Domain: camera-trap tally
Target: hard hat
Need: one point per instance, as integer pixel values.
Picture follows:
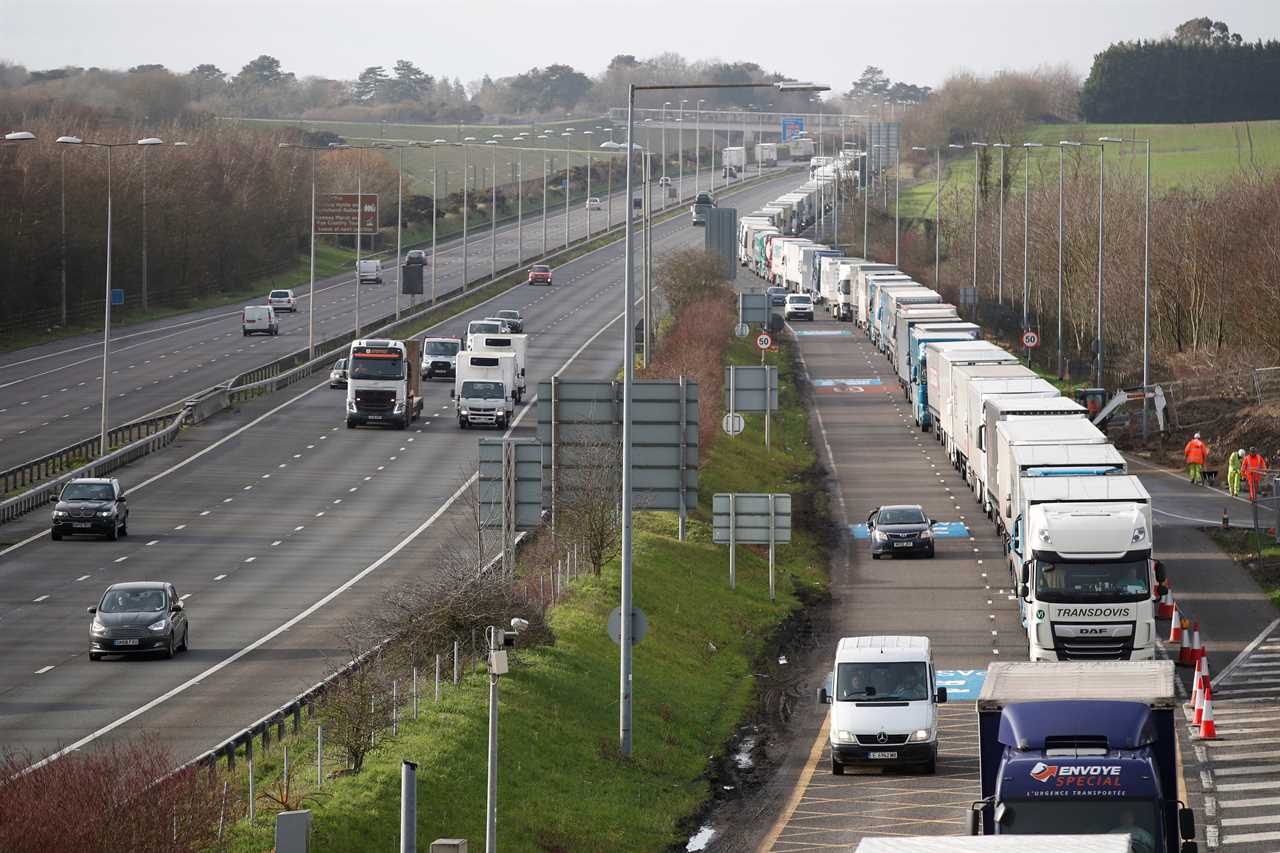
(1197, 435)
(1242, 451)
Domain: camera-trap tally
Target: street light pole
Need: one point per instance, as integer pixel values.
(465, 178)
(493, 212)
(1026, 238)
(544, 204)
(977, 150)
(866, 200)
(897, 177)
(568, 174)
(1146, 273)
(680, 146)
(697, 145)
(1060, 365)
(399, 230)
(1003, 146)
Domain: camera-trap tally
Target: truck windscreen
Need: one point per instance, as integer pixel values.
(901, 681)
(482, 390)
(1083, 816)
(376, 366)
(1088, 580)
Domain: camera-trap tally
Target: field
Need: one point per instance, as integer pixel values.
(1182, 155)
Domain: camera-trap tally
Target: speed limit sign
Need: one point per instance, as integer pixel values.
(763, 341)
(1030, 339)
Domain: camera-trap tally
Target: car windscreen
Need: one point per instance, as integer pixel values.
(509, 315)
(380, 367)
(340, 364)
(540, 268)
(800, 300)
(482, 390)
(1092, 580)
(442, 347)
(134, 601)
(88, 492)
(483, 328)
(882, 681)
(279, 294)
(905, 515)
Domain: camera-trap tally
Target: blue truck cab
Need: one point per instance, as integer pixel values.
(922, 334)
(1084, 748)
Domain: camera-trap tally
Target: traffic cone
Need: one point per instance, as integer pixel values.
(1166, 603)
(1197, 650)
(1208, 731)
(1197, 684)
(1175, 628)
(1185, 657)
(1198, 717)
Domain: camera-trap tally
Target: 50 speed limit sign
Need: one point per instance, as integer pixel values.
(1030, 339)
(763, 341)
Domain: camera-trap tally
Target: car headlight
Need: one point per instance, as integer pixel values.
(878, 536)
(106, 513)
(463, 411)
(1139, 535)
(845, 737)
(59, 513)
(399, 407)
(920, 735)
(97, 627)
(158, 626)
(926, 534)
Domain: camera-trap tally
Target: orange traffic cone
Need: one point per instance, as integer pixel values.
(1175, 629)
(1197, 650)
(1185, 657)
(1167, 607)
(1197, 684)
(1208, 731)
(1198, 717)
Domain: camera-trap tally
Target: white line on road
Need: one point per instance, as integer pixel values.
(40, 599)
(82, 578)
(121, 559)
(219, 577)
(42, 670)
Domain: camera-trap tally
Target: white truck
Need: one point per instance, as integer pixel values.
(880, 291)
(1054, 430)
(748, 228)
(476, 328)
(369, 271)
(908, 318)
(735, 157)
(895, 300)
(810, 267)
(484, 389)
(940, 362)
(923, 334)
(1002, 408)
(858, 296)
(957, 427)
(792, 273)
(829, 269)
(778, 258)
(767, 153)
(383, 383)
(801, 148)
(516, 345)
(980, 394)
(1080, 554)
(865, 292)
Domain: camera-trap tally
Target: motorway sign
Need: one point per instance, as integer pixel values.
(117, 296)
(733, 423)
(336, 213)
(763, 341)
(1030, 339)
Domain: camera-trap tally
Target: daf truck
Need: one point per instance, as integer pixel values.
(1054, 430)
(483, 390)
(383, 383)
(1088, 748)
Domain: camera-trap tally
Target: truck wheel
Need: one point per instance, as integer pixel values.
(837, 769)
(351, 424)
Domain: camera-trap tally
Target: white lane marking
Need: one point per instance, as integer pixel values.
(250, 559)
(275, 543)
(265, 638)
(152, 542)
(180, 527)
(219, 577)
(318, 514)
(337, 500)
(42, 670)
(206, 512)
(82, 578)
(353, 488)
(40, 599)
(1244, 654)
(121, 559)
(184, 597)
(296, 529)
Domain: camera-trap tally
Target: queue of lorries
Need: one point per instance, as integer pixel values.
(1080, 738)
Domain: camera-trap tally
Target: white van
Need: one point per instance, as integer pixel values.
(884, 708)
(369, 272)
(259, 319)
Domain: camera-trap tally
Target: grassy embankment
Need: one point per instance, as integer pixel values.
(1182, 155)
(1243, 547)
(563, 786)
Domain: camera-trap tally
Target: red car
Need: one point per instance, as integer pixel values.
(540, 274)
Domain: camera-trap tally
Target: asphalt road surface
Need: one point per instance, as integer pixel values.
(277, 525)
(50, 395)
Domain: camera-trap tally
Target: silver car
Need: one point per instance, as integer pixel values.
(338, 375)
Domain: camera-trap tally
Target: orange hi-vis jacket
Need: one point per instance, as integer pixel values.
(1252, 466)
(1196, 452)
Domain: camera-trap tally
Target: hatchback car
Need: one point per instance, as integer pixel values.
(283, 300)
(593, 203)
(416, 258)
(95, 506)
(513, 319)
(777, 296)
(140, 617)
(798, 305)
(540, 274)
(900, 529)
(338, 375)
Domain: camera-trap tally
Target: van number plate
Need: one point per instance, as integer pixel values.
(874, 755)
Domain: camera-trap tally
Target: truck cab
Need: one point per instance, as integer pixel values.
(383, 379)
(1082, 748)
(484, 389)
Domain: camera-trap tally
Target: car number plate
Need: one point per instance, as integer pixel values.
(126, 642)
(375, 417)
(882, 755)
(82, 524)
(902, 544)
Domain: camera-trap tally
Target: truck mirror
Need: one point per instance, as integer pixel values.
(1003, 814)
(1186, 823)
(824, 698)
(1024, 592)
(941, 697)
(1161, 591)
(452, 393)
(1024, 574)
(975, 815)
(1160, 575)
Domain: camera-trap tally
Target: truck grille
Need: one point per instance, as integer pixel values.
(375, 401)
(1094, 648)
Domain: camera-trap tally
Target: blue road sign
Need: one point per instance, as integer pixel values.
(791, 128)
(941, 530)
(847, 383)
(962, 684)
(117, 296)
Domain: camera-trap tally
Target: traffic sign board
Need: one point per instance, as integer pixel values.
(1030, 339)
(742, 330)
(639, 625)
(117, 296)
(763, 341)
(733, 423)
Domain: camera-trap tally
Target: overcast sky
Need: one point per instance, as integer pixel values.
(915, 41)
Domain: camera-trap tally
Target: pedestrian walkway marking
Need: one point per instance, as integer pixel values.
(941, 530)
(822, 333)
(962, 684)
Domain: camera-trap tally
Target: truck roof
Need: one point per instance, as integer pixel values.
(874, 647)
(1150, 682)
(1108, 843)
(929, 311)
(1066, 455)
(995, 371)
(1114, 488)
(1049, 430)
(1046, 405)
(974, 352)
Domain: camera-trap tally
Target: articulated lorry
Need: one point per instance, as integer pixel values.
(998, 409)
(384, 382)
(923, 334)
(974, 389)
(1088, 748)
(1059, 429)
(811, 258)
(829, 267)
(767, 153)
(907, 317)
(894, 300)
(940, 361)
(735, 157)
(878, 289)
(863, 291)
(801, 148)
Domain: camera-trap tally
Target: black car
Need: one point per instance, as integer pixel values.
(777, 296)
(901, 529)
(513, 319)
(94, 506)
(141, 617)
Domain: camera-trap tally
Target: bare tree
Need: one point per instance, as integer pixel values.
(350, 709)
(589, 491)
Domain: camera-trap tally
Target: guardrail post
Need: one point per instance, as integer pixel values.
(319, 756)
(266, 737)
(280, 728)
(455, 661)
(231, 756)
(437, 678)
(297, 718)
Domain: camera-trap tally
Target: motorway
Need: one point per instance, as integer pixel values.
(277, 526)
(50, 395)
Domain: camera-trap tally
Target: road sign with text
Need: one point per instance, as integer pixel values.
(336, 213)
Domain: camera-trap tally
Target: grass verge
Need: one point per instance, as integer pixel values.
(1259, 554)
(562, 785)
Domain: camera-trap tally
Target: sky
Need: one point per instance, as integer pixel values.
(914, 41)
